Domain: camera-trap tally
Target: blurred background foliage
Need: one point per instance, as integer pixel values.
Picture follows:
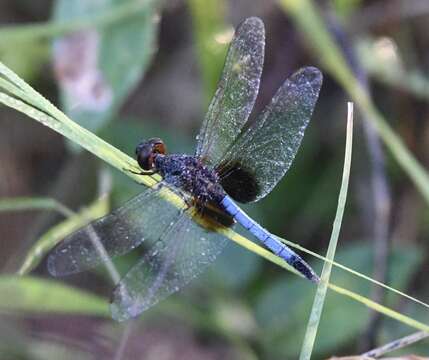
(129, 70)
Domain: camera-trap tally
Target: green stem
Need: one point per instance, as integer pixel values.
(319, 299)
(20, 204)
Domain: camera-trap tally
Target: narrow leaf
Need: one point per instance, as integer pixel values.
(316, 311)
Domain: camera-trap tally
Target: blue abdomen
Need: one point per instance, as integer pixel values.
(269, 240)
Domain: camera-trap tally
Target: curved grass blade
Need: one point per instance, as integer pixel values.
(29, 203)
(316, 311)
(380, 308)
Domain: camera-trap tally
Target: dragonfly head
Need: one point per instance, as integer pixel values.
(146, 152)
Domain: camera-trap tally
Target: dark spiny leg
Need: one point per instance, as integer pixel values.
(141, 172)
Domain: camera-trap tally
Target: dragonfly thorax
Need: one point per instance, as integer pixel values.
(188, 173)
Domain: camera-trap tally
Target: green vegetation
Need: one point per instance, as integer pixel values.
(138, 69)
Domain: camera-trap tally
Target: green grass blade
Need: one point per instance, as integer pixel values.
(310, 22)
(316, 311)
(380, 308)
(15, 91)
(356, 273)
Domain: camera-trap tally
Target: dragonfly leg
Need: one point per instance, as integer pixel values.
(141, 172)
(189, 201)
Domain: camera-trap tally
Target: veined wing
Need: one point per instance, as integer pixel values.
(263, 153)
(183, 252)
(142, 218)
(236, 92)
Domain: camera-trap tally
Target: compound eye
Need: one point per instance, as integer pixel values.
(146, 152)
(158, 146)
(145, 157)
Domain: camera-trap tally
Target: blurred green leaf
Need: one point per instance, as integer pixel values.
(350, 318)
(346, 8)
(236, 267)
(25, 57)
(381, 58)
(403, 263)
(122, 53)
(392, 330)
(359, 256)
(32, 294)
(283, 306)
(273, 307)
(11, 339)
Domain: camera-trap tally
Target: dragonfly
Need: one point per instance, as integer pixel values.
(236, 160)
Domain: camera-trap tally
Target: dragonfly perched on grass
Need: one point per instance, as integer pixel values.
(234, 161)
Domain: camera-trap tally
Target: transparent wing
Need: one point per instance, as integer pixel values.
(183, 252)
(263, 153)
(142, 218)
(236, 92)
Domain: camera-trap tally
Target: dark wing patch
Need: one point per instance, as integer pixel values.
(267, 148)
(239, 183)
